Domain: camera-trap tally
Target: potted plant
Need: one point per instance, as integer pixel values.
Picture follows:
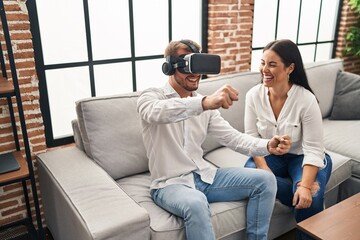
(352, 39)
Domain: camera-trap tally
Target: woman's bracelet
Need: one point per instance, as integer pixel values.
(300, 185)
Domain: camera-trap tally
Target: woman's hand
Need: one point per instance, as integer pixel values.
(306, 188)
(302, 197)
(279, 145)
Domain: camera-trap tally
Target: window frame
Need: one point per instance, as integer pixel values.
(90, 63)
(317, 42)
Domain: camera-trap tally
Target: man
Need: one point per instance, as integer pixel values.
(175, 121)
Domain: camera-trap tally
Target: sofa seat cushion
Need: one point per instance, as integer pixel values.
(225, 157)
(342, 137)
(110, 130)
(227, 217)
(355, 169)
(341, 170)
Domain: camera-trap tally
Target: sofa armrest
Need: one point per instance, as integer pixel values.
(81, 201)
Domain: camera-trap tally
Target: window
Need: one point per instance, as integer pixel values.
(311, 24)
(97, 48)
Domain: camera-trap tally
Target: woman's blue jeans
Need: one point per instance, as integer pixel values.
(230, 184)
(288, 171)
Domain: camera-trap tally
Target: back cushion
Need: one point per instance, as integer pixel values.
(322, 79)
(242, 82)
(111, 133)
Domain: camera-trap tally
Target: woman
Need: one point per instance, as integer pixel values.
(285, 104)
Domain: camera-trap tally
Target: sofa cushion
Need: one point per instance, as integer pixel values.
(77, 135)
(322, 79)
(355, 169)
(242, 82)
(227, 217)
(341, 170)
(342, 137)
(347, 97)
(110, 130)
(81, 201)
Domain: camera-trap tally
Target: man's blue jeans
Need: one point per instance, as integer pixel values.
(288, 171)
(230, 184)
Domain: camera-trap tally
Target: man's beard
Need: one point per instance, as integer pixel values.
(183, 84)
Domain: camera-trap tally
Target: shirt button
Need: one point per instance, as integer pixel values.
(275, 125)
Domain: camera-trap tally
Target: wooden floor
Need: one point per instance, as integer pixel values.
(287, 236)
(19, 233)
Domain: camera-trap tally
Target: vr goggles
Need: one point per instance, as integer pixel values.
(195, 63)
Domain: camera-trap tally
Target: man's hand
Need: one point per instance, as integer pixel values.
(223, 97)
(279, 145)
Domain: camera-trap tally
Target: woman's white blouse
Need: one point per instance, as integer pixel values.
(300, 118)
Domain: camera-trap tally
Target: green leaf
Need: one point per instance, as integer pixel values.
(352, 37)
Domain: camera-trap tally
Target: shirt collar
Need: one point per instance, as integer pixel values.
(289, 93)
(291, 90)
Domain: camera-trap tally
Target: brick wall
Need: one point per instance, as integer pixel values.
(230, 34)
(348, 19)
(12, 203)
(230, 31)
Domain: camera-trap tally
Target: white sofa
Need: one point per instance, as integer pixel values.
(99, 189)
